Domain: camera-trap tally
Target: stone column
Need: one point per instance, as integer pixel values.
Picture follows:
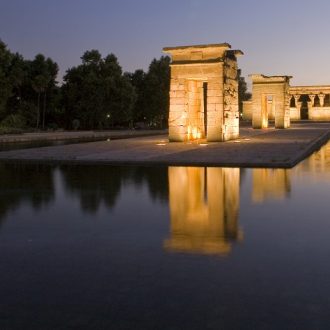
(298, 105)
(321, 98)
(311, 97)
(296, 99)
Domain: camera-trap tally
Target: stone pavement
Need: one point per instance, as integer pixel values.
(75, 135)
(254, 148)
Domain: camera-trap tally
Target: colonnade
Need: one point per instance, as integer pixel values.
(316, 98)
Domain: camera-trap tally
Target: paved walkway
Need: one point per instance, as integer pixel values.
(75, 135)
(254, 148)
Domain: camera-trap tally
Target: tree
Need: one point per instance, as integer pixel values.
(24, 85)
(138, 80)
(83, 92)
(18, 75)
(243, 95)
(43, 75)
(5, 83)
(97, 93)
(157, 91)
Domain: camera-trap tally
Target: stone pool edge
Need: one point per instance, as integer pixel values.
(310, 148)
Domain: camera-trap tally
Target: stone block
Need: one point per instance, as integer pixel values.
(177, 101)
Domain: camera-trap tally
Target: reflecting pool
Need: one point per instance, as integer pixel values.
(101, 247)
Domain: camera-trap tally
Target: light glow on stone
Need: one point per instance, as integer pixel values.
(193, 133)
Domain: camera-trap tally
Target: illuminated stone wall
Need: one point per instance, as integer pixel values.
(204, 204)
(270, 98)
(247, 110)
(295, 113)
(319, 113)
(203, 93)
(318, 104)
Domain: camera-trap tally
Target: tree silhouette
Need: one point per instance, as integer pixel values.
(243, 95)
(97, 93)
(25, 182)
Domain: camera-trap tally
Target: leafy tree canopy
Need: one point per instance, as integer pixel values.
(97, 94)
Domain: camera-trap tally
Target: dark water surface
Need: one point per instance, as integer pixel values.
(100, 247)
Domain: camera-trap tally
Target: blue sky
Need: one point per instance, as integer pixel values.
(277, 36)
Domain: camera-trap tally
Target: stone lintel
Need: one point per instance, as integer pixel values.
(262, 79)
(317, 89)
(201, 53)
(195, 47)
(191, 62)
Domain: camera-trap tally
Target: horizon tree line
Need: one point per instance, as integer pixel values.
(95, 94)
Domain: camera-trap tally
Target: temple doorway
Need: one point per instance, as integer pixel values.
(304, 99)
(195, 109)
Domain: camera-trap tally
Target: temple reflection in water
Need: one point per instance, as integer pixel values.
(270, 183)
(274, 183)
(317, 165)
(204, 205)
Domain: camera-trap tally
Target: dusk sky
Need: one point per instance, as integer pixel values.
(289, 37)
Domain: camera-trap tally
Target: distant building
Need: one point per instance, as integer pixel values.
(302, 102)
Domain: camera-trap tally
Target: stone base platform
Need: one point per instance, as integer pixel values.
(255, 148)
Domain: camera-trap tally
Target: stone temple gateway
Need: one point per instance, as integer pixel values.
(270, 95)
(203, 93)
(301, 103)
